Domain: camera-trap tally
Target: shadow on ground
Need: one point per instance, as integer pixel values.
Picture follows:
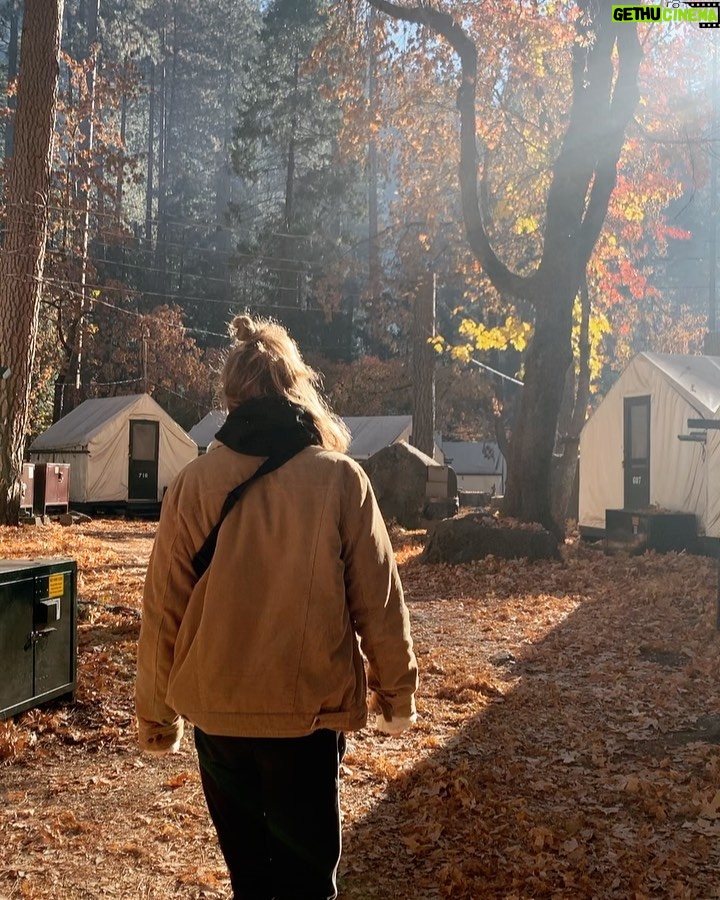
(593, 775)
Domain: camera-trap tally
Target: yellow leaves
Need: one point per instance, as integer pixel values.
(438, 343)
(634, 212)
(526, 225)
(461, 353)
(518, 332)
(598, 328)
(514, 333)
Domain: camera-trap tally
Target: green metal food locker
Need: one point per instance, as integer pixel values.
(38, 632)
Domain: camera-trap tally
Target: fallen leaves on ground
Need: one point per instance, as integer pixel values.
(567, 743)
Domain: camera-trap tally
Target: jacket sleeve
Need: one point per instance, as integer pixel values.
(377, 607)
(168, 584)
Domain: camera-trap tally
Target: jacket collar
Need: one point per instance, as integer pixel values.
(265, 426)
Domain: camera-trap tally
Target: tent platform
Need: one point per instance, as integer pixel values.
(120, 509)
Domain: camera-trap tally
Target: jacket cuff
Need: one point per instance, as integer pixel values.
(396, 725)
(397, 709)
(155, 737)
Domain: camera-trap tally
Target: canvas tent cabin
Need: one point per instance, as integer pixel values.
(206, 429)
(372, 433)
(123, 452)
(479, 465)
(631, 457)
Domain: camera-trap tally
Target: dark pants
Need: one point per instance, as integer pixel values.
(275, 806)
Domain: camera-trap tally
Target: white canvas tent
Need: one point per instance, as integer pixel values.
(120, 450)
(205, 430)
(372, 433)
(630, 453)
(479, 465)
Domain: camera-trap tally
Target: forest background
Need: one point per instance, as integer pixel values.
(299, 159)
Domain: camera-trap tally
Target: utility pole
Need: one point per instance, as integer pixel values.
(423, 427)
(87, 129)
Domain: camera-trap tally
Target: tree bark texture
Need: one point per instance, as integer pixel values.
(23, 252)
(572, 418)
(584, 175)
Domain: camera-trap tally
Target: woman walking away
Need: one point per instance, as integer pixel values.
(272, 601)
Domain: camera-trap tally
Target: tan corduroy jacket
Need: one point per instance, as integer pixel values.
(268, 642)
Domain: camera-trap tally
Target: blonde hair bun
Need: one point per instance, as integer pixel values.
(242, 328)
(265, 361)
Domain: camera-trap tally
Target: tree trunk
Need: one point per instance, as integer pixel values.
(23, 252)
(527, 495)
(423, 429)
(605, 62)
(87, 129)
(578, 391)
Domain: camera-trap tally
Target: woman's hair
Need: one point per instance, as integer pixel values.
(264, 361)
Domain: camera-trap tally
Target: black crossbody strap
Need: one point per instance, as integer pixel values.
(203, 557)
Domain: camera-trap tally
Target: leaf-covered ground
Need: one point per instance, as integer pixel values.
(567, 745)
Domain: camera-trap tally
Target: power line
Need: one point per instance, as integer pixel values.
(129, 312)
(495, 372)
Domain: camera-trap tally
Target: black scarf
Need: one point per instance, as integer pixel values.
(265, 426)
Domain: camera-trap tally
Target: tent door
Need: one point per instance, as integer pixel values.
(143, 465)
(636, 464)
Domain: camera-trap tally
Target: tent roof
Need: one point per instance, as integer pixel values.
(82, 424)
(697, 378)
(205, 430)
(372, 433)
(473, 457)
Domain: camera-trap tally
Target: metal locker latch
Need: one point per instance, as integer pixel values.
(36, 636)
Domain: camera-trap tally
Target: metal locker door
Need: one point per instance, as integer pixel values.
(53, 620)
(16, 646)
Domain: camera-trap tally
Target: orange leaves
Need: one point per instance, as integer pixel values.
(179, 780)
(13, 740)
